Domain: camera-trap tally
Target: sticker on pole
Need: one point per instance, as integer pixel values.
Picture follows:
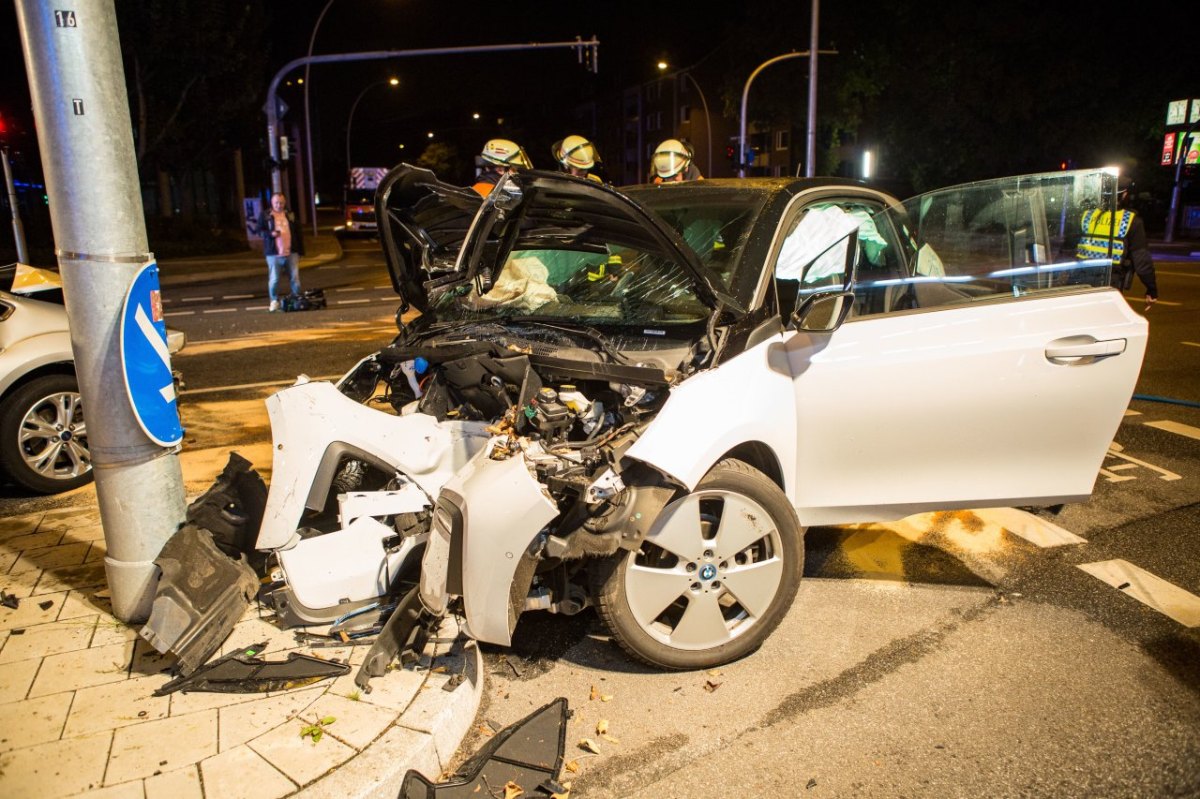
(146, 362)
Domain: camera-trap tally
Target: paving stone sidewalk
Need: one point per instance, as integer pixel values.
(77, 715)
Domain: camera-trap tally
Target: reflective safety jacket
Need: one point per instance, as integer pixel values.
(1097, 228)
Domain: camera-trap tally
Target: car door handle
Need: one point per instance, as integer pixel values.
(1073, 348)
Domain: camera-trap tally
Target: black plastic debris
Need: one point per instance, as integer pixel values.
(406, 631)
(245, 672)
(9, 601)
(528, 753)
(207, 580)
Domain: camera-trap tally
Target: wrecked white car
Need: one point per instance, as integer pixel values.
(639, 399)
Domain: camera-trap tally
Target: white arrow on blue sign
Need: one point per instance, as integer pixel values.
(146, 362)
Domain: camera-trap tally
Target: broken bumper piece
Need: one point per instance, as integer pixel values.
(243, 672)
(200, 596)
(528, 754)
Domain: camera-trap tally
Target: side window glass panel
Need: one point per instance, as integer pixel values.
(1007, 238)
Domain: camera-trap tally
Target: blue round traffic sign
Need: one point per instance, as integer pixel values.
(146, 362)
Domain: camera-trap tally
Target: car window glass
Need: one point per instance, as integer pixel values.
(1006, 238)
(614, 284)
(813, 255)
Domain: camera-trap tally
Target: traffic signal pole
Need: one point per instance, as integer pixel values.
(77, 83)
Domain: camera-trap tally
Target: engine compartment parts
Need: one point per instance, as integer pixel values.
(528, 754)
(245, 672)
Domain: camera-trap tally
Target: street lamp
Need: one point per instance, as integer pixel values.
(312, 183)
(354, 107)
(662, 66)
(746, 93)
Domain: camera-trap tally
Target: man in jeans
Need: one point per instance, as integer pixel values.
(283, 244)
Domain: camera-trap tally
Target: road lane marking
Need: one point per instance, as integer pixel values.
(257, 307)
(352, 288)
(1149, 589)
(244, 386)
(389, 286)
(221, 310)
(197, 299)
(1131, 412)
(1114, 451)
(351, 302)
(1192, 343)
(1178, 274)
(179, 313)
(238, 297)
(1034, 529)
(1177, 428)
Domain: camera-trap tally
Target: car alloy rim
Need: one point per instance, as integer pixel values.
(53, 437)
(708, 571)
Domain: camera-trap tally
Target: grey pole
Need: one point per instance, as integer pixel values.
(374, 55)
(810, 150)
(18, 228)
(77, 83)
(312, 185)
(746, 94)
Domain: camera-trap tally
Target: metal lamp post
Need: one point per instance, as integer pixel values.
(354, 107)
(703, 103)
(746, 93)
(312, 184)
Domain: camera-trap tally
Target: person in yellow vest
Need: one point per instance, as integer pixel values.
(577, 156)
(499, 157)
(1130, 252)
(672, 162)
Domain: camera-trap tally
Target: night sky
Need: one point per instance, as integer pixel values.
(533, 92)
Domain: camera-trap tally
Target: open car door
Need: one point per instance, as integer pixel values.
(996, 374)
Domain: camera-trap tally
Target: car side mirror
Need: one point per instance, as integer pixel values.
(824, 312)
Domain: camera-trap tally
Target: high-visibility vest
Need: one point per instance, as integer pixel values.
(1097, 230)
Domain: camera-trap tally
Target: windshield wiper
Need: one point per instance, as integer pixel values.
(555, 323)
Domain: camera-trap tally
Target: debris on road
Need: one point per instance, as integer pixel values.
(529, 752)
(244, 672)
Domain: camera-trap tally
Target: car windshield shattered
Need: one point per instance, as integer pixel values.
(567, 268)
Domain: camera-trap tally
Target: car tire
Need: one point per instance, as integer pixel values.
(29, 425)
(714, 577)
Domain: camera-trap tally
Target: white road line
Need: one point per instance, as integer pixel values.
(1130, 412)
(257, 307)
(352, 288)
(1034, 529)
(244, 386)
(197, 299)
(179, 313)
(1113, 452)
(1168, 302)
(221, 310)
(1177, 428)
(350, 302)
(1149, 589)
(238, 297)
(330, 266)
(1191, 343)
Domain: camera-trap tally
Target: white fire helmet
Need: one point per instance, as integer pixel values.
(575, 151)
(503, 152)
(671, 157)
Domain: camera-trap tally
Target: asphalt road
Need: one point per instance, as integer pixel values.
(947, 657)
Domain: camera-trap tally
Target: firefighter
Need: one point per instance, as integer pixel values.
(1130, 252)
(673, 162)
(577, 156)
(499, 157)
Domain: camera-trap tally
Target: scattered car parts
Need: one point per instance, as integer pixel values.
(245, 672)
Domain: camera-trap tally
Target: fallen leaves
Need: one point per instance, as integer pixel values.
(595, 694)
(711, 686)
(315, 731)
(512, 790)
(572, 766)
(587, 744)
